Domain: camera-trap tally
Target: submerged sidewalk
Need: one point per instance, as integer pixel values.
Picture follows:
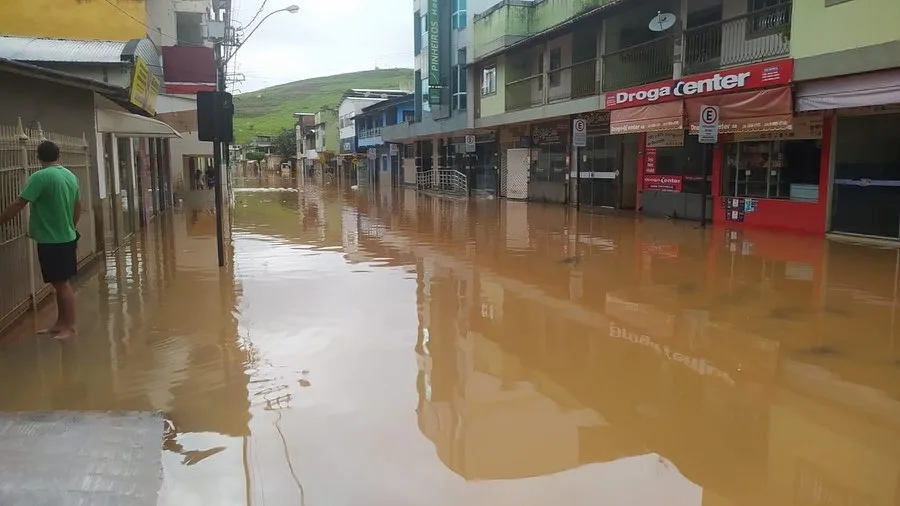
(155, 335)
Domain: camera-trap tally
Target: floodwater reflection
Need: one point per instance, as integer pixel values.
(385, 347)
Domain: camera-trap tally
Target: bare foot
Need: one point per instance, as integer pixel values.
(65, 334)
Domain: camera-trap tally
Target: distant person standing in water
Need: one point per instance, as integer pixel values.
(210, 179)
(53, 194)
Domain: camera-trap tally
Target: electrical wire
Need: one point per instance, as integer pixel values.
(144, 24)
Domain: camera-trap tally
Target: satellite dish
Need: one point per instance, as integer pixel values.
(662, 22)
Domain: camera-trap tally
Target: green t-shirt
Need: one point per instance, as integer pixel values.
(52, 193)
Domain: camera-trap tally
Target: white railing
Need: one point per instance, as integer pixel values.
(22, 287)
(448, 181)
(425, 180)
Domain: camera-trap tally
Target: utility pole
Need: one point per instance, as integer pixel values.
(217, 150)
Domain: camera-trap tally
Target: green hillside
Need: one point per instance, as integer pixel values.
(267, 111)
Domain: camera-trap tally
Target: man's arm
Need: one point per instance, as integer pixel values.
(13, 210)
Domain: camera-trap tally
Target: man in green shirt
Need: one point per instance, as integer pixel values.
(53, 194)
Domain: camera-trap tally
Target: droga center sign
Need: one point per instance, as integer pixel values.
(760, 75)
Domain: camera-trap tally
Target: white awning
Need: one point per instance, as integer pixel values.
(311, 154)
(860, 90)
(132, 125)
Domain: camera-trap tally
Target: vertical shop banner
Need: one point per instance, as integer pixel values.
(650, 163)
(434, 52)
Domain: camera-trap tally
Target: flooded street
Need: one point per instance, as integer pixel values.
(388, 347)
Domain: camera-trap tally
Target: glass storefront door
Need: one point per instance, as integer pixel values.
(866, 190)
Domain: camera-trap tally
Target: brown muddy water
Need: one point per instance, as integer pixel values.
(375, 347)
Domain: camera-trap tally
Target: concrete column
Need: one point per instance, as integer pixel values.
(601, 49)
(678, 35)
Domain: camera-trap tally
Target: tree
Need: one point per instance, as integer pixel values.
(286, 143)
(255, 156)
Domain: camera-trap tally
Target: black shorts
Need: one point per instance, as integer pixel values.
(59, 262)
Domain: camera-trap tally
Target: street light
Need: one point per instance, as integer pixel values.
(220, 149)
(293, 9)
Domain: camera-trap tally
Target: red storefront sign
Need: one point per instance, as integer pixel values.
(662, 183)
(760, 75)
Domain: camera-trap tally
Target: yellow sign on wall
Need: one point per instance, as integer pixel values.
(144, 86)
(120, 20)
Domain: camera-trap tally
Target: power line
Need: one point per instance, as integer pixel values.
(123, 11)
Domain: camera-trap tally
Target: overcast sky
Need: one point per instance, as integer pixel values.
(326, 37)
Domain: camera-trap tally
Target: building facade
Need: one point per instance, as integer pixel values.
(793, 111)
(122, 45)
(384, 161)
(435, 141)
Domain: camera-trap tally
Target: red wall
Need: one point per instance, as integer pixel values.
(806, 217)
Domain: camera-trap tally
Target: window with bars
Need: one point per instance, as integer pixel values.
(767, 17)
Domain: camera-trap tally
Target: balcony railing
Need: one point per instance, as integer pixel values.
(584, 79)
(370, 133)
(756, 36)
(525, 93)
(640, 64)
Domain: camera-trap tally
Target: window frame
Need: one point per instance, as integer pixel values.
(489, 77)
(553, 71)
(731, 181)
(458, 19)
(426, 94)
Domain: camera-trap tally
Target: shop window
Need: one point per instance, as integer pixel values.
(768, 17)
(686, 161)
(549, 164)
(772, 169)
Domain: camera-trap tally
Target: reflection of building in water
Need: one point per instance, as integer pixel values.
(683, 348)
(189, 364)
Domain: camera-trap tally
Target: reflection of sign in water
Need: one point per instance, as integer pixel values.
(696, 364)
(487, 310)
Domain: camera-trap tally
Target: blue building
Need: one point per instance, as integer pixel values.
(383, 160)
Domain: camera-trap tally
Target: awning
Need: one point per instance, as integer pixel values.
(311, 154)
(132, 125)
(647, 118)
(768, 110)
(860, 90)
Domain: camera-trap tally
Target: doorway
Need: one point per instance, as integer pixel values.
(866, 194)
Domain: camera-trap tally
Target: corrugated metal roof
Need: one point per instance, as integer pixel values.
(33, 49)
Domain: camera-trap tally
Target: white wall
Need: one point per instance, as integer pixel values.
(352, 107)
(161, 22)
(189, 145)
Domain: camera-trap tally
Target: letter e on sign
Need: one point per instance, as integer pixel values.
(579, 133)
(709, 124)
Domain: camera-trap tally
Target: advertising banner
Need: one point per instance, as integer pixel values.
(144, 86)
(662, 183)
(434, 52)
(761, 75)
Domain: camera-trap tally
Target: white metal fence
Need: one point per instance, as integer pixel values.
(21, 286)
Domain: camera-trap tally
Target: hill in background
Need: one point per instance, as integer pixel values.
(267, 111)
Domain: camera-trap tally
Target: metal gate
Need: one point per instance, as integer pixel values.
(22, 286)
(518, 166)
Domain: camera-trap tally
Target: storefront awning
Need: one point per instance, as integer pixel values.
(131, 125)
(768, 110)
(647, 118)
(860, 90)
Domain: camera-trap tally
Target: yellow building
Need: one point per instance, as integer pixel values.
(71, 19)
